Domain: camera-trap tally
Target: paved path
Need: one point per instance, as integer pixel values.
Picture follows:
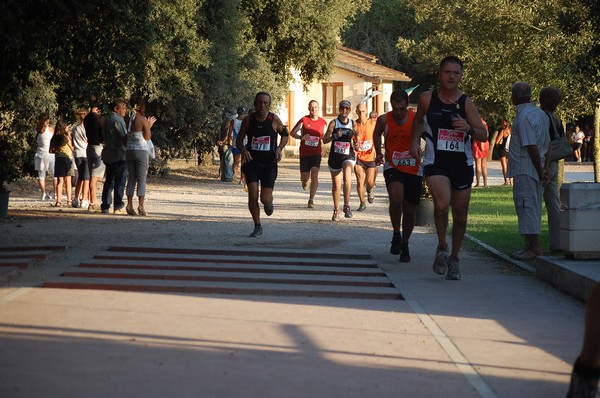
(499, 332)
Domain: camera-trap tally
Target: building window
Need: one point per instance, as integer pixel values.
(332, 95)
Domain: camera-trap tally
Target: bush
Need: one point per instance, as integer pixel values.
(12, 149)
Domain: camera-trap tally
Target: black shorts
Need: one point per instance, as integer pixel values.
(265, 173)
(366, 165)
(413, 184)
(82, 169)
(308, 162)
(62, 166)
(461, 177)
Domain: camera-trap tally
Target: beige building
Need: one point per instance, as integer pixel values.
(356, 77)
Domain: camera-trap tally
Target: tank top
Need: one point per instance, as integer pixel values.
(398, 139)
(341, 147)
(364, 141)
(446, 147)
(135, 139)
(79, 141)
(314, 128)
(262, 139)
(43, 143)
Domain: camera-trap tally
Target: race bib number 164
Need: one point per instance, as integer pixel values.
(451, 140)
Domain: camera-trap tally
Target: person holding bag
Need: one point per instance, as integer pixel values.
(550, 97)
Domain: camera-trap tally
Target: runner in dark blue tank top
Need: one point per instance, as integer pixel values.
(448, 120)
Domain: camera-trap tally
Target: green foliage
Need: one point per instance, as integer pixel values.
(502, 42)
(12, 148)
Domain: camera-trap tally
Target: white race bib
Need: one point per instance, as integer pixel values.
(451, 140)
(261, 143)
(342, 148)
(403, 159)
(364, 146)
(311, 140)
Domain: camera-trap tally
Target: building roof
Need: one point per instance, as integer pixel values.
(366, 65)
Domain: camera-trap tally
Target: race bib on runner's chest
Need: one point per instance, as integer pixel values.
(403, 159)
(342, 148)
(261, 143)
(312, 141)
(364, 146)
(451, 140)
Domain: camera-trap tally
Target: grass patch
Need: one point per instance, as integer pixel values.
(493, 220)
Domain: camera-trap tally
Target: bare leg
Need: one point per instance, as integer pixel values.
(484, 171)
(314, 181)
(336, 183)
(69, 189)
(253, 202)
(439, 186)
(347, 170)
(460, 210)
(360, 183)
(477, 171)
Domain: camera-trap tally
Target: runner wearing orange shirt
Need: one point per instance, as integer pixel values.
(365, 167)
(402, 173)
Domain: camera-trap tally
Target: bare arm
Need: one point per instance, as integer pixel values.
(472, 124)
(327, 138)
(419, 124)
(377, 132)
(282, 131)
(295, 131)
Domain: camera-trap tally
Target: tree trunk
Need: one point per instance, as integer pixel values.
(597, 142)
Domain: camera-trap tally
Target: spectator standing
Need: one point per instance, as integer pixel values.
(136, 155)
(502, 145)
(62, 148)
(113, 156)
(578, 137)
(224, 141)
(550, 97)
(310, 130)
(82, 188)
(481, 150)
(44, 160)
(588, 144)
(93, 124)
(449, 121)
(528, 165)
(234, 127)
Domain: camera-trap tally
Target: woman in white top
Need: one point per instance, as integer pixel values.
(44, 160)
(136, 155)
(577, 138)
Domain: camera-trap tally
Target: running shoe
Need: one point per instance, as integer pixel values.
(404, 254)
(453, 270)
(336, 215)
(305, 185)
(46, 197)
(85, 204)
(396, 247)
(257, 232)
(362, 207)
(347, 211)
(311, 204)
(371, 196)
(269, 209)
(440, 263)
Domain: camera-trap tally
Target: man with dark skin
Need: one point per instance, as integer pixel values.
(260, 156)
